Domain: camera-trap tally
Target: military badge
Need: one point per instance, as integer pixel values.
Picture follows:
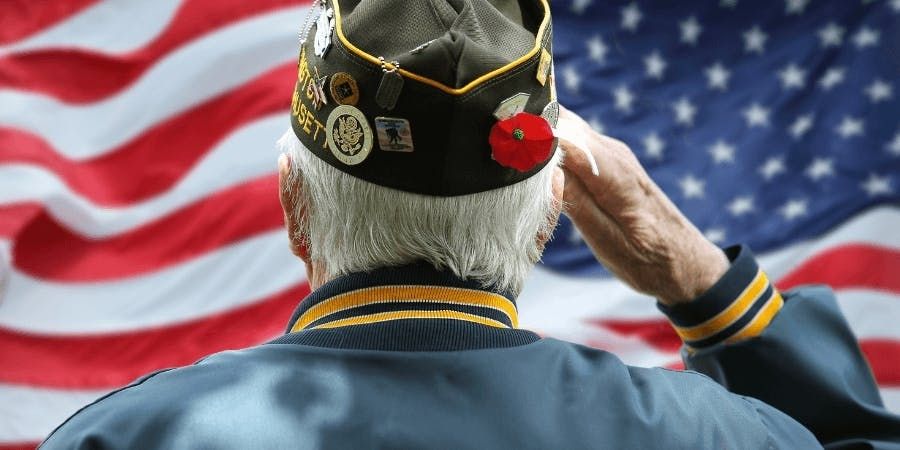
(349, 135)
(394, 134)
(344, 89)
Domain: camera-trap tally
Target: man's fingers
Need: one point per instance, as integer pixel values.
(598, 229)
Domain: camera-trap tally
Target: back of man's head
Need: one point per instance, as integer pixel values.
(435, 143)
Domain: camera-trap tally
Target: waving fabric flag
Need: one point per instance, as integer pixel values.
(139, 220)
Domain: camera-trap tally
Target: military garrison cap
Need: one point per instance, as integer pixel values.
(436, 97)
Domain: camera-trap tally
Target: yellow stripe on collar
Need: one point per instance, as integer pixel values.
(409, 294)
(412, 314)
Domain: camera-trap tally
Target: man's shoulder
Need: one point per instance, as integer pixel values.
(152, 408)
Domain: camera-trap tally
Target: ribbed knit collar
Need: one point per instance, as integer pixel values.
(413, 307)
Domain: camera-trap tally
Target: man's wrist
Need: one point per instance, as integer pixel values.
(695, 273)
(739, 305)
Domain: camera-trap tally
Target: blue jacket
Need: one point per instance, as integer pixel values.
(411, 357)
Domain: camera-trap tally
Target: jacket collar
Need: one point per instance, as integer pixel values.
(411, 307)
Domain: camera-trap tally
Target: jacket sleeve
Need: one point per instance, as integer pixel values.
(795, 353)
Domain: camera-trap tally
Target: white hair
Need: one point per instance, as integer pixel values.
(353, 225)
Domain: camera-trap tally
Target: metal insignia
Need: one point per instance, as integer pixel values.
(315, 90)
(349, 135)
(394, 134)
(344, 89)
(551, 113)
(543, 69)
(511, 106)
(324, 28)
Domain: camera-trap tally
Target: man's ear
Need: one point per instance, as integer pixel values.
(294, 214)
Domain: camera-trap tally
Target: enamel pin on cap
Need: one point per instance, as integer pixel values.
(344, 89)
(394, 134)
(349, 135)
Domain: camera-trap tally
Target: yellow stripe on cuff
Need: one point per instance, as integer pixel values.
(730, 314)
(413, 314)
(762, 319)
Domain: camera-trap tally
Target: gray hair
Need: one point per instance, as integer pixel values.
(354, 225)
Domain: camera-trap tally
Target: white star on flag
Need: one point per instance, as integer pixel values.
(820, 168)
(801, 125)
(654, 146)
(741, 205)
(690, 30)
(654, 65)
(733, 3)
(795, 6)
(893, 147)
(879, 91)
(832, 35)
(684, 111)
(597, 49)
(692, 187)
(772, 167)
(722, 152)
(866, 37)
(717, 76)
(579, 6)
(850, 126)
(756, 116)
(793, 209)
(631, 17)
(755, 40)
(792, 77)
(571, 78)
(624, 98)
(832, 78)
(877, 185)
(715, 235)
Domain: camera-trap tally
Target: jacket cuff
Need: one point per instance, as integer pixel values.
(739, 306)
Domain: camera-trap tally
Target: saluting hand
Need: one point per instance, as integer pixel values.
(628, 222)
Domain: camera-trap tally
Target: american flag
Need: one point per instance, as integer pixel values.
(139, 220)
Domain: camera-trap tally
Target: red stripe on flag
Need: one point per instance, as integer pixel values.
(884, 358)
(14, 217)
(849, 266)
(46, 249)
(91, 76)
(157, 158)
(112, 360)
(22, 18)
(19, 446)
(657, 333)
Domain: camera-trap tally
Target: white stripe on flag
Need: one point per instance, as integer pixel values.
(185, 77)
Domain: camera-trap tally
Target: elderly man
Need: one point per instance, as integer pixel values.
(420, 182)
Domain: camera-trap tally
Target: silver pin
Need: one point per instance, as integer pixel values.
(324, 28)
(390, 86)
(511, 106)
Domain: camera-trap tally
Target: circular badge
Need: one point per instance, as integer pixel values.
(349, 135)
(344, 89)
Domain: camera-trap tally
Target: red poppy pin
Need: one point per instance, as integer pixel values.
(522, 141)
